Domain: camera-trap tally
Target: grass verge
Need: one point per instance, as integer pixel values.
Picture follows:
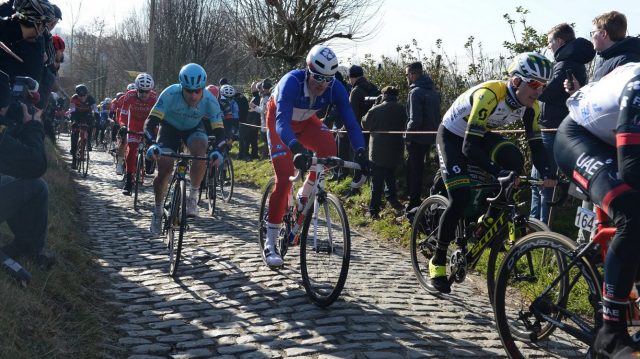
(62, 313)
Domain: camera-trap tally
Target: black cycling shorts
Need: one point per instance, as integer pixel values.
(170, 137)
(590, 163)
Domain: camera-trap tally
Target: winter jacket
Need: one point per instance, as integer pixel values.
(22, 153)
(620, 53)
(361, 88)
(423, 110)
(386, 150)
(573, 55)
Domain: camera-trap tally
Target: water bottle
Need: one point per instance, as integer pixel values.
(14, 269)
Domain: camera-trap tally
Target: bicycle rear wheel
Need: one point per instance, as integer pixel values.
(325, 251)
(535, 318)
(500, 247)
(263, 215)
(226, 179)
(137, 183)
(177, 224)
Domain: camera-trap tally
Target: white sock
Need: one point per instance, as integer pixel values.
(194, 192)
(273, 230)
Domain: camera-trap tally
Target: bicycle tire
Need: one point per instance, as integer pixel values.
(263, 215)
(227, 175)
(211, 190)
(501, 246)
(85, 169)
(321, 289)
(138, 180)
(529, 331)
(425, 224)
(178, 223)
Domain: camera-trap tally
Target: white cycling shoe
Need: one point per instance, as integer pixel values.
(192, 207)
(272, 257)
(156, 224)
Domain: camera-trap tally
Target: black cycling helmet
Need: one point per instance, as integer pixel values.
(82, 90)
(119, 94)
(57, 12)
(34, 11)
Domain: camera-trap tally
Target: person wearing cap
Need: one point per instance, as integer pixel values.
(250, 149)
(24, 194)
(362, 89)
(264, 87)
(294, 129)
(385, 150)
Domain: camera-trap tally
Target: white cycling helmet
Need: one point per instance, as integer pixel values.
(131, 86)
(144, 82)
(227, 91)
(322, 60)
(107, 100)
(531, 66)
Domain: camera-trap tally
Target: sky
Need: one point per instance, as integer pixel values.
(400, 21)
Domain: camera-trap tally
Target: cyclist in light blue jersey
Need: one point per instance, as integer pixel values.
(186, 114)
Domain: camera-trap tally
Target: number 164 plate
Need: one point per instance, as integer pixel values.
(585, 219)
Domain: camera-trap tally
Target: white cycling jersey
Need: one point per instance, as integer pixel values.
(596, 106)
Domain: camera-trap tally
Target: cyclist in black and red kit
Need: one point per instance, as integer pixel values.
(83, 109)
(598, 147)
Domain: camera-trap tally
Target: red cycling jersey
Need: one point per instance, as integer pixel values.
(134, 111)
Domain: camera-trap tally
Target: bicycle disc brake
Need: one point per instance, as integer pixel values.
(458, 266)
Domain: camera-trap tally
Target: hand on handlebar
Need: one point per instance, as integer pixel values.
(153, 153)
(302, 157)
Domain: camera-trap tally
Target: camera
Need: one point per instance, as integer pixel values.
(23, 91)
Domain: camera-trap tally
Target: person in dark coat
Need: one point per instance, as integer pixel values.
(423, 114)
(243, 112)
(253, 122)
(570, 54)
(385, 150)
(614, 48)
(362, 89)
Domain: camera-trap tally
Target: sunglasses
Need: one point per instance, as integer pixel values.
(535, 84)
(321, 78)
(196, 91)
(142, 92)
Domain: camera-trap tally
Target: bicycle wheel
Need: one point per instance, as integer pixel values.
(211, 189)
(325, 251)
(500, 247)
(177, 224)
(226, 180)
(264, 211)
(424, 232)
(137, 183)
(85, 168)
(535, 318)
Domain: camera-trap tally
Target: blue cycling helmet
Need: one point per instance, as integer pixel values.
(192, 76)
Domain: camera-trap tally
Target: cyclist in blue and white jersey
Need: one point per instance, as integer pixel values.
(293, 126)
(186, 114)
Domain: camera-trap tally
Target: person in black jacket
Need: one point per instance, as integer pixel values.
(23, 194)
(614, 48)
(362, 89)
(570, 54)
(423, 114)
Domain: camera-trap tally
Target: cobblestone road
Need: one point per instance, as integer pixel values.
(226, 303)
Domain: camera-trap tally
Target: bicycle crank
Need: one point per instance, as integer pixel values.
(458, 266)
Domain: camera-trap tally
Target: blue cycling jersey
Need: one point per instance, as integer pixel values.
(173, 109)
(293, 101)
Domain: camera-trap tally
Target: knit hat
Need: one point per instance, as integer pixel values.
(355, 71)
(390, 91)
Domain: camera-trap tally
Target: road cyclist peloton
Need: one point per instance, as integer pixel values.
(134, 109)
(185, 113)
(464, 138)
(83, 109)
(597, 146)
(293, 126)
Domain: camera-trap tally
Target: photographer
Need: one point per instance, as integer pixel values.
(23, 195)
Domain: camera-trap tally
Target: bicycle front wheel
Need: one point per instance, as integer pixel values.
(226, 179)
(325, 251)
(534, 315)
(263, 215)
(138, 180)
(501, 246)
(212, 189)
(85, 168)
(178, 221)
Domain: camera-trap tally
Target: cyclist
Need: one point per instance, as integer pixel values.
(82, 107)
(136, 106)
(186, 114)
(598, 146)
(464, 137)
(293, 126)
(226, 105)
(103, 110)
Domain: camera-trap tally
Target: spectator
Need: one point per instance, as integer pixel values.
(423, 114)
(253, 122)
(24, 203)
(334, 121)
(570, 54)
(243, 110)
(385, 150)
(361, 95)
(265, 88)
(614, 47)
(223, 81)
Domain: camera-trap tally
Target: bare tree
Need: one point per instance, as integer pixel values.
(75, 16)
(286, 29)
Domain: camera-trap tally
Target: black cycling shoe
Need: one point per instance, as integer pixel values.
(439, 285)
(128, 185)
(615, 345)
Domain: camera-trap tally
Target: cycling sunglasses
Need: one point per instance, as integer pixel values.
(321, 78)
(142, 92)
(535, 84)
(198, 91)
